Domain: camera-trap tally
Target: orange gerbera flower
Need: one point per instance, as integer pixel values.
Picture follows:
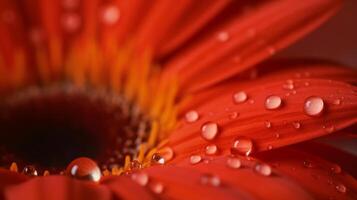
(115, 99)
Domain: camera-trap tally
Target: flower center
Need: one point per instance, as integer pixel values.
(48, 127)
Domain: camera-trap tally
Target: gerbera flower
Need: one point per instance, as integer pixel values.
(170, 100)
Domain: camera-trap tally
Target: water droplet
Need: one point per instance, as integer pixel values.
(277, 135)
(30, 170)
(208, 179)
(267, 124)
(270, 147)
(167, 153)
(296, 125)
(329, 128)
(157, 188)
(307, 84)
(234, 163)
(71, 22)
(191, 116)
(308, 164)
(242, 146)
(233, 115)
(140, 178)
(240, 97)
(194, 159)
(209, 130)
(111, 14)
(223, 36)
(251, 101)
(211, 149)
(85, 169)
(313, 106)
(341, 188)
(336, 102)
(289, 85)
(273, 102)
(336, 169)
(263, 169)
(158, 159)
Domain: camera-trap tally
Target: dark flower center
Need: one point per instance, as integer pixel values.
(48, 127)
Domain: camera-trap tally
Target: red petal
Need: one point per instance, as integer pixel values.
(57, 188)
(8, 178)
(125, 188)
(252, 119)
(251, 37)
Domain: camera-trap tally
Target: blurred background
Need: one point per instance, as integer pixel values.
(336, 40)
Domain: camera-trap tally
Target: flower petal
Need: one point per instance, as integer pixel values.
(288, 124)
(125, 188)
(57, 187)
(246, 38)
(8, 178)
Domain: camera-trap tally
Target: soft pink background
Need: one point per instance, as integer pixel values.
(336, 40)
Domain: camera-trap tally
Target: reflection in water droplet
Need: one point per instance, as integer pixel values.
(209, 130)
(242, 146)
(313, 106)
(263, 169)
(191, 116)
(273, 102)
(234, 163)
(194, 159)
(240, 97)
(211, 149)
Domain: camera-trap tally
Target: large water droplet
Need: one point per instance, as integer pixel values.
(234, 163)
(194, 159)
(240, 97)
(85, 169)
(140, 178)
(211, 149)
(191, 116)
(242, 146)
(314, 106)
(263, 169)
(273, 102)
(209, 130)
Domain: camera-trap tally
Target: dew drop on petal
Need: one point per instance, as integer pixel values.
(71, 22)
(110, 15)
(85, 169)
(157, 188)
(273, 102)
(234, 163)
(313, 106)
(223, 36)
(194, 159)
(30, 170)
(336, 169)
(341, 188)
(167, 153)
(242, 146)
(267, 124)
(209, 130)
(336, 102)
(240, 97)
(233, 115)
(329, 128)
(211, 149)
(296, 125)
(140, 178)
(208, 179)
(263, 169)
(270, 147)
(191, 116)
(158, 159)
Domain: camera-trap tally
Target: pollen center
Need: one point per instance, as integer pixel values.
(48, 127)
